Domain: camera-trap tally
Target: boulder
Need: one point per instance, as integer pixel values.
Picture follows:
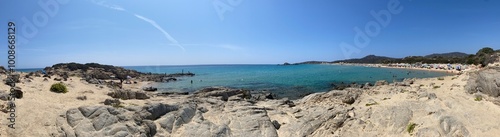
(486, 81)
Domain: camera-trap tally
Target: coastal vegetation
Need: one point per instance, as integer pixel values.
(410, 127)
(483, 57)
(59, 88)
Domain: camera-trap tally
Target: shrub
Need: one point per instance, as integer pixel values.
(440, 78)
(478, 98)
(435, 87)
(58, 88)
(411, 127)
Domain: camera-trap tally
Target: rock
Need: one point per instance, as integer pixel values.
(4, 95)
(92, 81)
(150, 89)
(289, 103)
(172, 93)
(128, 94)
(396, 117)
(169, 79)
(12, 79)
(223, 93)
(18, 93)
(348, 100)
(451, 127)
(486, 81)
(57, 79)
(401, 84)
(112, 102)
(276, 124)
(367, 85)
(425, 94)
(263, 96)
(45, 79)
(3, 70)
(340, 86)
(381, 82)
(409, 81)
(157, 110)
(81, 97)
(104, 121)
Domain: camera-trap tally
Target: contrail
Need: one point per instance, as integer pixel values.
(170, 38)
(152, 22)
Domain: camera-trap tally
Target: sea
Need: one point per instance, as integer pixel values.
(291, 81)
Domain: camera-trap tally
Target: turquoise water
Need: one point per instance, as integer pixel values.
(286, 81)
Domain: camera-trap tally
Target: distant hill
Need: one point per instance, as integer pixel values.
(448, 55)
(483, 56)
(369, 59)
(312, 62)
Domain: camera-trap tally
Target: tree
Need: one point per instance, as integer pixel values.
(485, 50)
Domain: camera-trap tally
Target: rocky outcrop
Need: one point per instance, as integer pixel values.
(184, 119)
(486, 81)
(93, 121)
(221, 92)
(128, 94)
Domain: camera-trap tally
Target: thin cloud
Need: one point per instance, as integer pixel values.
(107, 5)
(150, 21)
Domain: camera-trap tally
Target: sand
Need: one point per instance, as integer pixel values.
(38, 109)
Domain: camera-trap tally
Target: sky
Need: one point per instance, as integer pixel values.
(188, 32)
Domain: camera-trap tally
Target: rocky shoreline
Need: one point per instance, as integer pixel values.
(461, 105)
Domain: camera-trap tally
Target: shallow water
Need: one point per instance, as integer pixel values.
(285, 81)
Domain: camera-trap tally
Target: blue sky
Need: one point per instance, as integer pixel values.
(179, 32)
